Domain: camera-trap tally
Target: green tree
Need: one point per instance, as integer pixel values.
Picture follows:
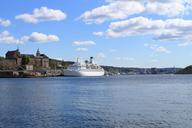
(2, 58)
(25, 60)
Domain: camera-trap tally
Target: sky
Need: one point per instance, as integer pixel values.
(124, 33)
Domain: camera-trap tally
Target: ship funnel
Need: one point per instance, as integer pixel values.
(92, 60)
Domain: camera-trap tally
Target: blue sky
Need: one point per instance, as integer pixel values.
(127, 33)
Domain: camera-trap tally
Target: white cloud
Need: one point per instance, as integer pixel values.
(85, 42)
(184, 44)
(117, 10)
(100, 56)
(98, 33)
(170, 8)
(122, 9)
(154, 61)
(5, 23)
(40, 37)
(157, 48)
(42, 14)
(160, 49)
(134, 26)
(124, 59)
(6, 37)
(171, 29)
(82, 49)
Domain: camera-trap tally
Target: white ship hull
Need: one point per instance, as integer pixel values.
(83, 73)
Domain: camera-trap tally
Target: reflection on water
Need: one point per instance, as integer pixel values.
(159, 101)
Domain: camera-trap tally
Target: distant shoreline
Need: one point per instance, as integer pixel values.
(109, 71)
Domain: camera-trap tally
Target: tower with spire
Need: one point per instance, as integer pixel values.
(38, 53)
(17, 49)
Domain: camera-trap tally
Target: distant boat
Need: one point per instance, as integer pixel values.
(88, 68)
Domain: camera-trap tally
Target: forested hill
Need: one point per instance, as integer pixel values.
(110, 70)
(131, 71)
(53, 63)
(187, 70)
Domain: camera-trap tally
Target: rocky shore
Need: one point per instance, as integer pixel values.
(30, 74)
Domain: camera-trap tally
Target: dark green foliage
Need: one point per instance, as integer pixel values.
(187, 70)
(1, 58)
(55, 64)
(130, 71)
(25, 60)
(52, 63)
(1, 65)
(66, 64)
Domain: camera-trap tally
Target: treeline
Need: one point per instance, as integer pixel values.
(110, 70)
(187, 70)
(53, 63)
(1, 58)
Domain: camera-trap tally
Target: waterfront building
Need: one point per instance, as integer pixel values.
(14, 58)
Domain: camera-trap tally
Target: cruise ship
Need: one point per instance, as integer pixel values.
(88, 68)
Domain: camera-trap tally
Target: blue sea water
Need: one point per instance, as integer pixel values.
(136, 101)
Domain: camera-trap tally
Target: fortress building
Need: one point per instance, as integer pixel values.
(38, 60)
